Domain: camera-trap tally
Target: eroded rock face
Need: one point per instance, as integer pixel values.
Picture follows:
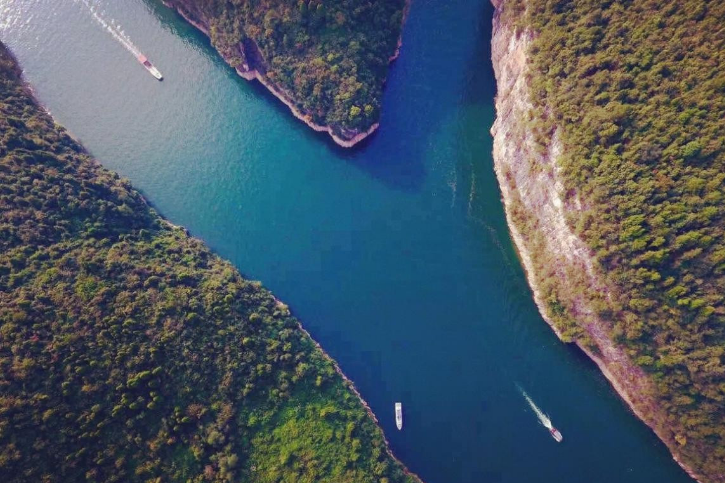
(524, 170)
(253, 57)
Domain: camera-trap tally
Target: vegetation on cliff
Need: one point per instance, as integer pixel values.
(129, 352)
(330, 57)
(636, 94)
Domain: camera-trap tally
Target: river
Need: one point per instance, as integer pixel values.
(394, 255)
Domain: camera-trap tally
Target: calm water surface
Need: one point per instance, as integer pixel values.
(395, 255)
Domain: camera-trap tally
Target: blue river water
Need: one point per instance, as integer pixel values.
(395, 255)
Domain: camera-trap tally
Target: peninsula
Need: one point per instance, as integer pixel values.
(130, 352)
(610, 155)
(326, 61)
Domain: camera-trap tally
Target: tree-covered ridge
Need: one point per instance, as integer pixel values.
(636, 93)
(331, 57)
(129, 352)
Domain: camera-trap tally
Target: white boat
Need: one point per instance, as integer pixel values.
(399, 415)
(544, 419)
(150, 67)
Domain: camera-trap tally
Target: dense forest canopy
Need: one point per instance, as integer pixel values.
(331, 57)
(635, 91)
(129, 352)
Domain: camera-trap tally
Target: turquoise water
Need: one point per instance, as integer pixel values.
(394, 255)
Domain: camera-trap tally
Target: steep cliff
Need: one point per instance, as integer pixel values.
(575, 292)
(327, 62)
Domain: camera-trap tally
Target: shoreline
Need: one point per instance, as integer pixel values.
(166, 224)
(287, 99)
(351, 386)
(507, 86)
(251, 75)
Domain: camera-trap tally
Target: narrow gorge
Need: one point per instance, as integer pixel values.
(571, 288)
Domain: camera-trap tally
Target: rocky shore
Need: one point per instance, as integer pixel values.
(343, 137)
(536, 212)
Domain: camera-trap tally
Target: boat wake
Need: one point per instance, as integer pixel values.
(118, 34)
(111, 27)
(543, 418)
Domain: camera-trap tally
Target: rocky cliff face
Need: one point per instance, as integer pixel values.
(552, 254)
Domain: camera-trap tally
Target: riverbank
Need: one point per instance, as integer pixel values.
(116, 232)
(342, 137)
(537, 213)
(351, 386)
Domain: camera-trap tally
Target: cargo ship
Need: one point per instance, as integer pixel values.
(150, 67)
(399, 415)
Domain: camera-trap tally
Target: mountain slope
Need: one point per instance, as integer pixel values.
(611, 157)
(129, 352)
(327, 61)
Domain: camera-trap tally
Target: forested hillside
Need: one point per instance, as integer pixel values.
(329, 58)
(129, 352)
(635, 91)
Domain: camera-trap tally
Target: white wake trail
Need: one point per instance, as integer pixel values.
(112, 28)
(543, 418)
